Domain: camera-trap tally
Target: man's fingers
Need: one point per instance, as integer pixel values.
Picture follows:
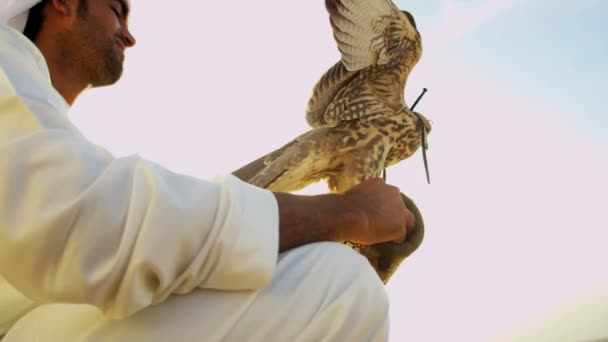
(405, 227)
(410, 220)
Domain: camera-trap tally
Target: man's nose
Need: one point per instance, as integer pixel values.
(128, 37)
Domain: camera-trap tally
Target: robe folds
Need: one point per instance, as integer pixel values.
(78, 225)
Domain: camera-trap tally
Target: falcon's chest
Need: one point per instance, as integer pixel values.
(405, 136)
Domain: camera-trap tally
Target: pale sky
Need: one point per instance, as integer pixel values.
(515, 214)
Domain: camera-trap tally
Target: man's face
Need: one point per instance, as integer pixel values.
(99, 38)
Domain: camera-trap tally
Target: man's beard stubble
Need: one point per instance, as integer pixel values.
(96, 55)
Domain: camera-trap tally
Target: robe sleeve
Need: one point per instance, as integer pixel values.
(78, 225)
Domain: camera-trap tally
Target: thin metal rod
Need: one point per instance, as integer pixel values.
(424, 144)
(418, 99)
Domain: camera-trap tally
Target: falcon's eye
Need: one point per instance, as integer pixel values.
(411, 18)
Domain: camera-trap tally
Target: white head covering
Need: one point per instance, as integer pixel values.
(14, 12)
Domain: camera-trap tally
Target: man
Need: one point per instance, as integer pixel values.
(94, 247)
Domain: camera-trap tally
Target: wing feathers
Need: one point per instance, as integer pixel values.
(369, 33)
(359, 28)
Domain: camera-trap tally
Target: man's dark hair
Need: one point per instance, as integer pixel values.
(36, 17)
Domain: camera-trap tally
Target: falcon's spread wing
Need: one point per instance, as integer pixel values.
(324, 92)
(369, 33)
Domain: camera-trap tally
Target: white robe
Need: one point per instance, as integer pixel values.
(115, 236)
(78, 225)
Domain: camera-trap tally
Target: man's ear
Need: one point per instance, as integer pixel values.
(64, 7)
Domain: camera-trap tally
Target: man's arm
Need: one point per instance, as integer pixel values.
(80, 226)
(369, 213)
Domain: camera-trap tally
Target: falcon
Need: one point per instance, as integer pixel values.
(360, 123)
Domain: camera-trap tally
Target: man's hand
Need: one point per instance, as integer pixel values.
(371, 212)
(386, 216)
